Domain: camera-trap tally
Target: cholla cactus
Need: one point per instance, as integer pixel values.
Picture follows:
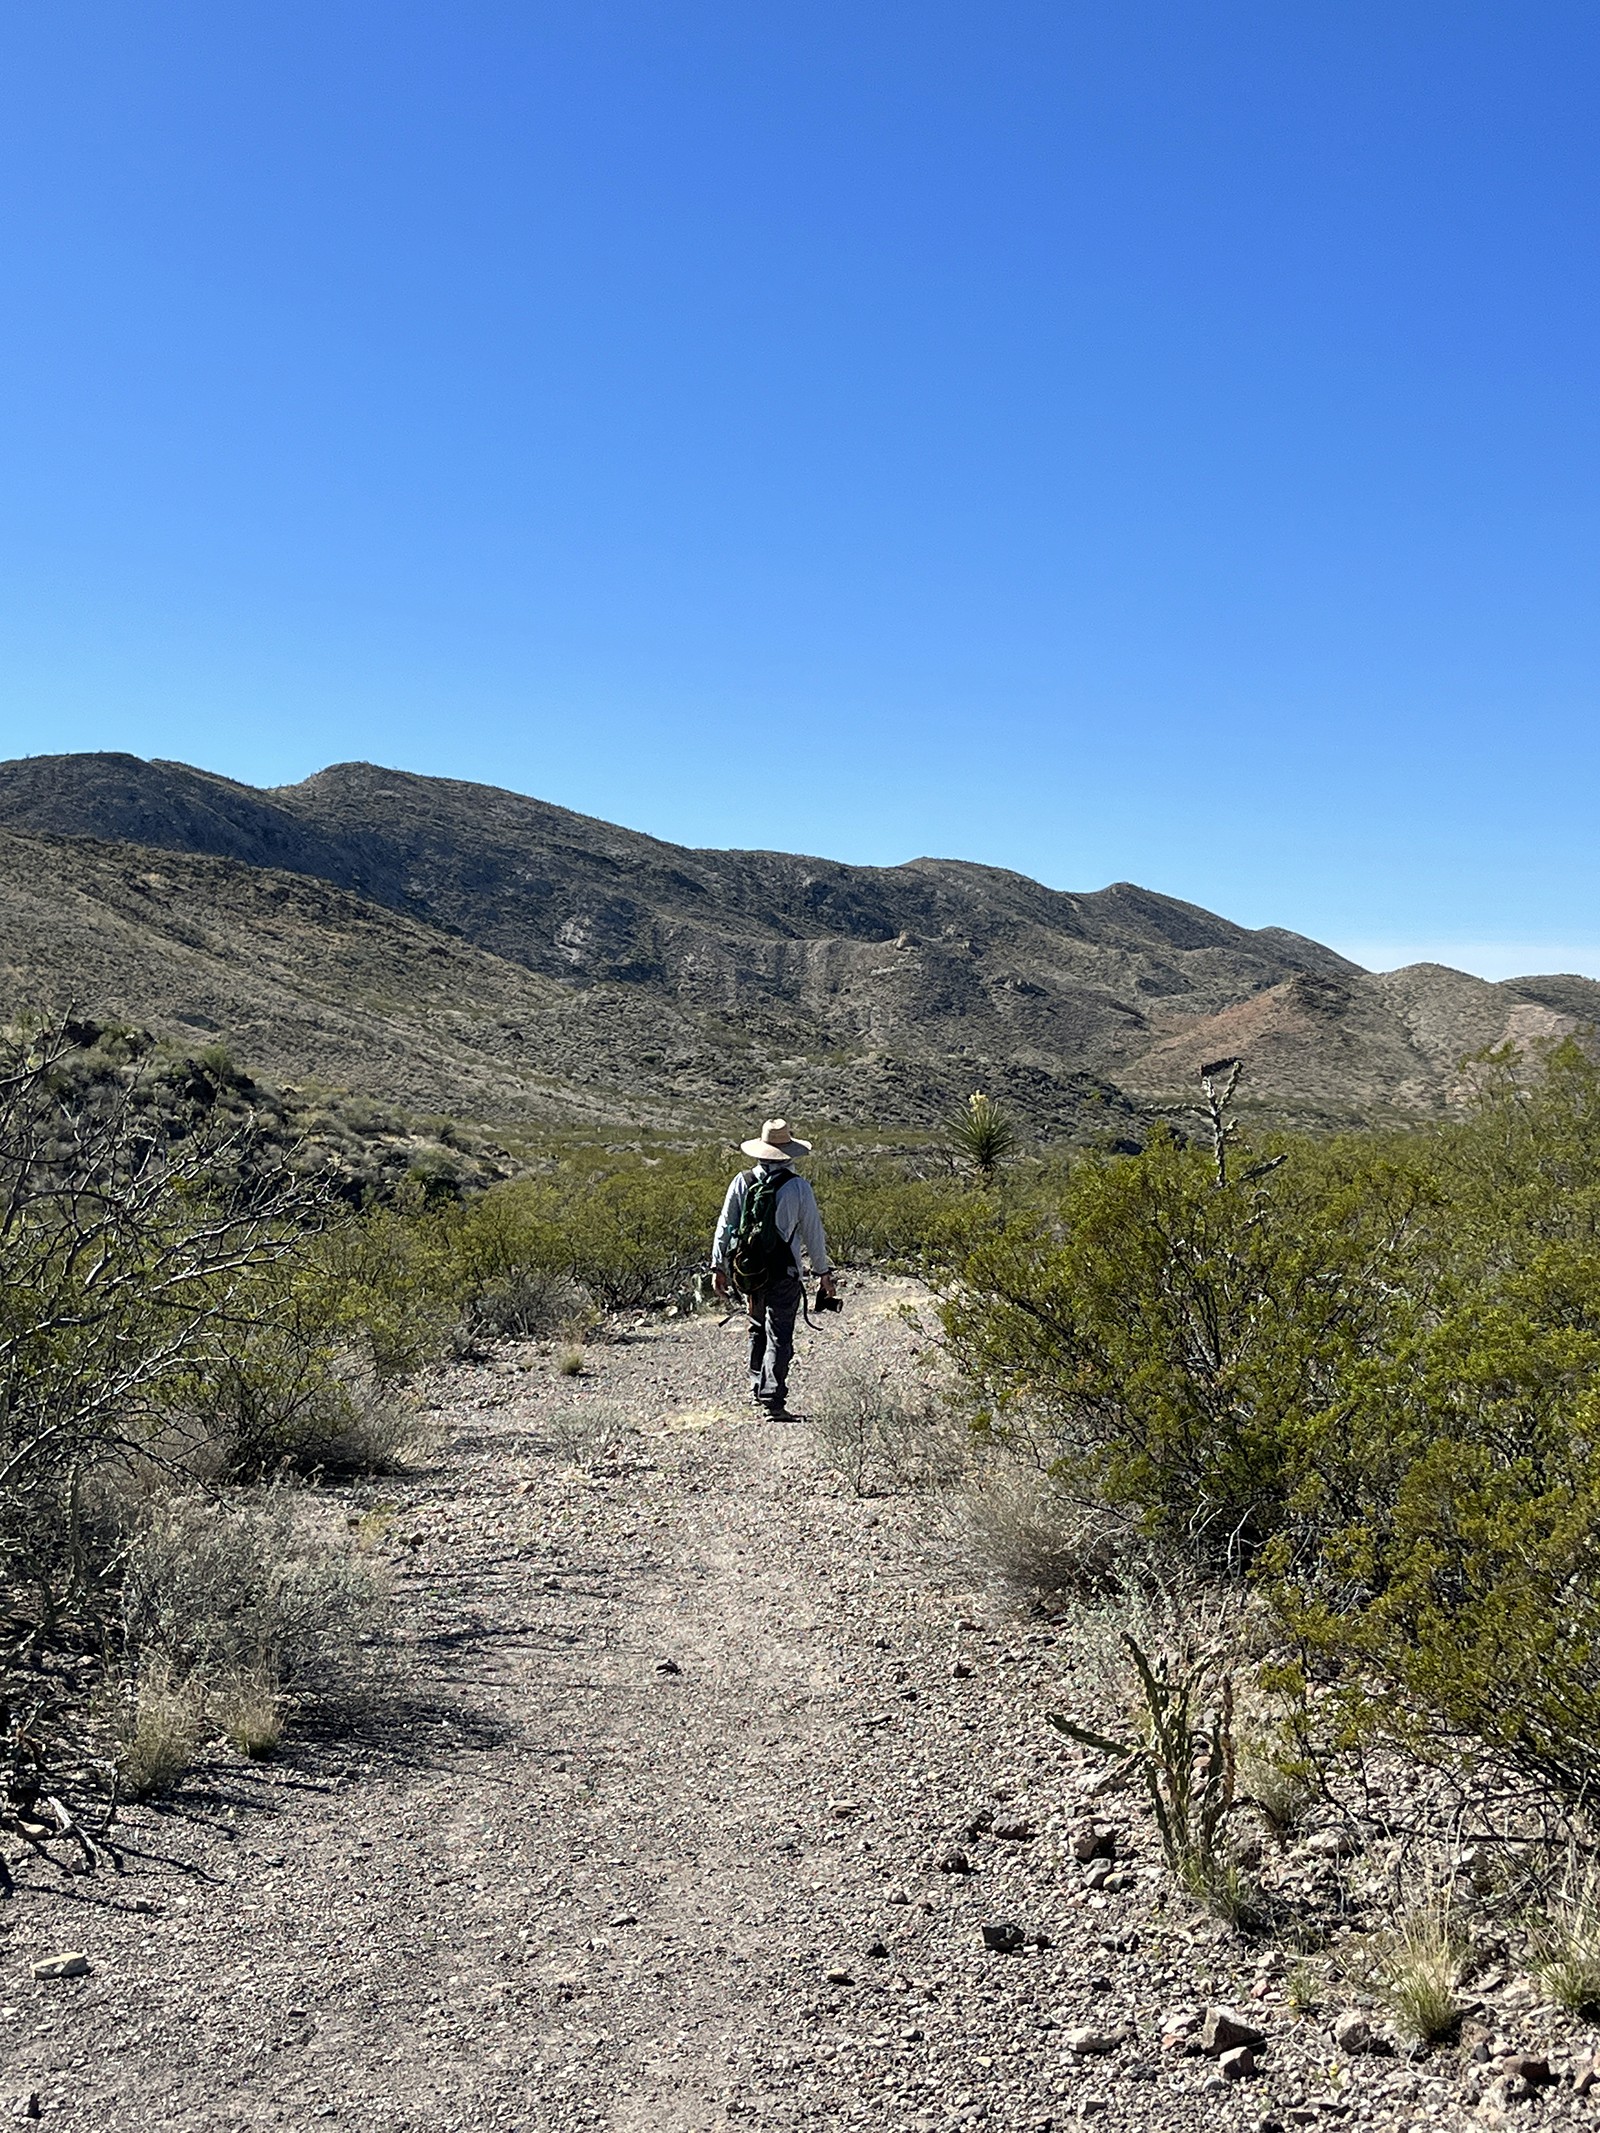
(982, 1135)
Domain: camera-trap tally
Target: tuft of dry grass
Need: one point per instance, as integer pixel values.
(570, 1360)
(251, 1714)
(1417, 1968)
(1566, 1947)
(160, 1737)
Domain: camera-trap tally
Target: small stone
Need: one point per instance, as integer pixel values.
(1004, 1938)
(955, 1863)
(668, 1666)
(624, 1918)
(842, 1810)
(898, 1896)
(1093, 1840)
(959, 1670)
(878, 1953)
(1098, 1874)
(1089, 2043)
(26, 2106)
(54, 1966)
(838, 1976)
(1535, 2072)
(1353, 2032)
(1331, 1844)
(1226, 2030)
(1013, 1832)
(1238, 2064)
(1587, 2078)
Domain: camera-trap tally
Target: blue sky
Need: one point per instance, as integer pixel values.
(1140, 441)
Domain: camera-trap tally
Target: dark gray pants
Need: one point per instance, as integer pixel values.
(772, 1317)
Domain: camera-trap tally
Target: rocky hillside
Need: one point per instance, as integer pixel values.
(456, 947)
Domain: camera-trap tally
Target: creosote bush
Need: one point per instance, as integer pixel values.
(1364, 1374)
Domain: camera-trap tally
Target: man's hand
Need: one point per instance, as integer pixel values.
(719, 1280)
(828, 1285)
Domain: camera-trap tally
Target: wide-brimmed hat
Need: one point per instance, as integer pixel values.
(777, 1144)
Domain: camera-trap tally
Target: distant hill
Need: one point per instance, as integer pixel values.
(455, 947)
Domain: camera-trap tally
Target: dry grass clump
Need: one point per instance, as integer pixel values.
(570, 1361)
(590, 1432)
(160, 1736)
(1566, 1946)
(1417, 1968)
(251, 1715)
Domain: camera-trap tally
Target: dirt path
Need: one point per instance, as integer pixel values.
(692, 1728)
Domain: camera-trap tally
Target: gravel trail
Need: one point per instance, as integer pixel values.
(654, 1838)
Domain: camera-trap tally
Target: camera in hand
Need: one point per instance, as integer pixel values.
(827, 1301)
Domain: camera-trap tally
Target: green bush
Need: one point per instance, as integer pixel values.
(1368, 1377)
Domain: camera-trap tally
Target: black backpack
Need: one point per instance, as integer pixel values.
(761, 1254)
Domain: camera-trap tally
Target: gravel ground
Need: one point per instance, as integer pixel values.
(654, 1837)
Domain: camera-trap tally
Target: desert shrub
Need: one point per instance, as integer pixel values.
(388, 1282)
(878, 1214)
(528, 1302)
(216, 1592)
(1190, 1348)
(133, 1224)
(1040, 1538)
(1365, 1373)
(589, 1432)
(884, 1431)
(278, 1393)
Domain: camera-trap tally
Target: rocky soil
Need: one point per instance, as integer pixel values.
(712, 1795)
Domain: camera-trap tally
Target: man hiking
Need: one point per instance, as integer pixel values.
(768, 1220)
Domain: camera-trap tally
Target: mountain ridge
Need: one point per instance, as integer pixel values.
(693, 978)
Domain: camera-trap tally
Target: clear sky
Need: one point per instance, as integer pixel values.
(1151, 440)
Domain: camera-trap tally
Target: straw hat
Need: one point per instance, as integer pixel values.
(777, 1144)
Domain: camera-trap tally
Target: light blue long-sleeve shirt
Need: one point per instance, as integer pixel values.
(798, 1222)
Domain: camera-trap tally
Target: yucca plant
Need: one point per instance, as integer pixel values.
(982, 1135)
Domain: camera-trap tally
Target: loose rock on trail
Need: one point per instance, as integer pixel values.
(662, 1827)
